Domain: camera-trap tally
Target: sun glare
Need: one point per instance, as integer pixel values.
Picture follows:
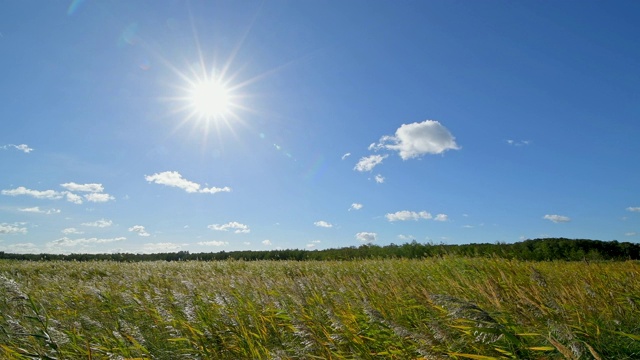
(210, 99)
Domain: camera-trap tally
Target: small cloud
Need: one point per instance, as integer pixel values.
(37, 210)
(346, 156)
(102, 223)
(634, 209)
(355, 206)
(66, 242)
(631, 233)
(174, 179)
(417, 139)
(369, 162)
(441, 217)
(73, 198)
(405, 215)
(69, 231)
(406, 237)
(366, 236)
(239, 228)
(266, 242)
(140, 230)
(46, 194)
(94, 188)
(11, 229)
(310, 246)
(23, 147)
(213, 243)
(323, 224)
(379, 179)
(518, 142)
(165, 246)
(98, 198)
(557, 218)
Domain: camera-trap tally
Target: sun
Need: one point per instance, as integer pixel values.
(210, 99)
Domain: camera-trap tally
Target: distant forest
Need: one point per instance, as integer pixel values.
(537, 250)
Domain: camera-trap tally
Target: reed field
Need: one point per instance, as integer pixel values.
(435, 308)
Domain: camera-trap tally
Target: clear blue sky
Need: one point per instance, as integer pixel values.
(331, 123)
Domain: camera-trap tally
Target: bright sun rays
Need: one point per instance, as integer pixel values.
(210, 99)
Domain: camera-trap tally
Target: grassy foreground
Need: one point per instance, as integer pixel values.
(441, 308)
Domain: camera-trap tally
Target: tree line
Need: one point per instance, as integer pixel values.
(546, 249)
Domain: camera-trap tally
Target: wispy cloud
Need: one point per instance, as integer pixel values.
(98, 197)
(45, 194)
(175, 179)
(441, 217)
(417, 139)
(518, 142)
(346, 156)
(22, 147)
(379, 179)
(213, 243)
(266, 242)
(633, 209)
(102, 223)
(163, 246)
(631, 233)
(95, 188)
(37, 210)
(239, 228)
(355, 206)
(405, 215)
(557, 218)
(12, 229)
(140, 230)
(367, 163)
(69, 231)
(67, 242)
(366, 236)
(323, 224)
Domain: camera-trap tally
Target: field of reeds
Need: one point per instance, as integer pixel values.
(439, 308)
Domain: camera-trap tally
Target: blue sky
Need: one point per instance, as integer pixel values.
(332, 123)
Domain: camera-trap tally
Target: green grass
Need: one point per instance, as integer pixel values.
(443, 308)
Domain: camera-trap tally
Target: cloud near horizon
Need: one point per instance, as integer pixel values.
(366, 236)
(175, 179)
(95, 193)
(239, 228)
(557, 218)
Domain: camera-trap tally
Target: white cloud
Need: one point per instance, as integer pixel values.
(213, 243)
(310, 246)
(66, 242)
(102, 223)
(37, 210)
(68, 231)
(355, 206)
(12, 229)
(22, 147)
(166, 246)
(406, 237)
(634, 209)
(366, 236)
(379, 179)
(213, 190)
(518, 142)
(323, 224)
(441, 217)
(174, 179)
(405, 215)
(83, 187)
(266, 242)
(631, 233)
(95, 197)
(71, 197)
(240, 228)
(416, 139)
(367, 163)
(139, 229)
(557, 218)
(46, 194)
(346, 156)
(22, 248)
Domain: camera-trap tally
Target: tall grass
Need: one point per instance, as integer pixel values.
(443, 308)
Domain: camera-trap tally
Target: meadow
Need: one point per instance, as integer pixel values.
(434, 308)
